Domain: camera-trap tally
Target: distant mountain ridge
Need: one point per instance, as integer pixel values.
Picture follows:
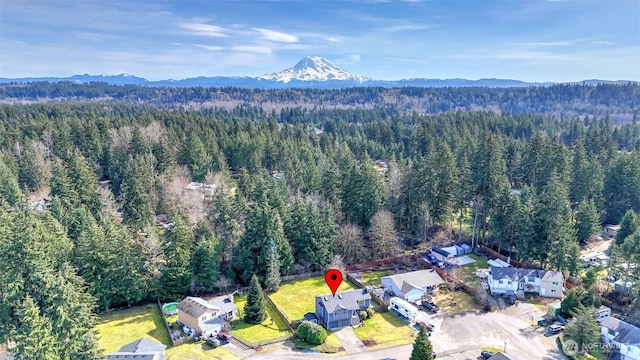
(310, 72)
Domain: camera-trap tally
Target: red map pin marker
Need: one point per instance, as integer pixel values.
(333, 278)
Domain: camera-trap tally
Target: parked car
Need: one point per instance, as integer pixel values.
(213, 342)
(543, 322)
(430, 306)
(225, 337)
(555, 329)
(486, 354)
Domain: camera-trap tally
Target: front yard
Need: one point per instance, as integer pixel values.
(386, 330)
(297, 298)
(257, 333)
(118, 328)
(330, 346)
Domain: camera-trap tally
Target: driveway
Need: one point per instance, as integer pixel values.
(349, 341)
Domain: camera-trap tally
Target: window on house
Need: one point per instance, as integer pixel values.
(344, 312)
(553, 290)
(500, 282)
(361, 303)
(555, 283)
(532, 279)
(508, 282)
(204, 318)
(337, 313)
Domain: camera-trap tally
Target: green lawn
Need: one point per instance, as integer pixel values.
(386, 330)
(374, 277)
(259, 332)
(296, 298)
(118, 328)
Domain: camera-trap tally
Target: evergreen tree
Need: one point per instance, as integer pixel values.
(226, 212)
(362, 193)
(9, 188)
(628, 225)
(262, 226)
(272, 278)
(255, 309)
(422, 349)
(34, 336)
(206, 262)
(177, 273)
(84, 181)
(310, 235)
(136, 190)
(584, 329)
(587, 220)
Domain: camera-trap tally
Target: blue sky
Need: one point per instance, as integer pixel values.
(531, 40)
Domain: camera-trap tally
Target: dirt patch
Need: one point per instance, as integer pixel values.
(369, 343)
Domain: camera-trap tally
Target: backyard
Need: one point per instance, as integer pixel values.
(257, 333)
(468, 272)
(373, 277)
(118, 328)
(386, 330)
(297, 298)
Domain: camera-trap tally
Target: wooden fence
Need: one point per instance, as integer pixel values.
(280, 313)
(289, 278)
(382, 306)
(492, 253)
(257, 344)
(176, 342)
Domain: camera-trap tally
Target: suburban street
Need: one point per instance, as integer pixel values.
(461, 336)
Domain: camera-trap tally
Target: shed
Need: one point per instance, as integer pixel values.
(459, 250)
(440, 254)
(451, 250)
(466, 249)
(554, 309)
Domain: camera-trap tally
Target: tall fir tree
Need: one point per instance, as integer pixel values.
(177, 272)
(629, 224)
(587, 220)
(34, 336)
(255, 309)
(136, 189)
(422, 349)
(206, 262)
(272, 278)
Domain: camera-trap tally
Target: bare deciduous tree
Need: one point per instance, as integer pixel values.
(383, 236)
(349, 243)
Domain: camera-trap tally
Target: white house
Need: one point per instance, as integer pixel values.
(413, 285)
(141, 349)
(207, 317)
(515, 281)
(624, 337)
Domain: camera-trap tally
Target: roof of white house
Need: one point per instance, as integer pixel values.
(141, 349)
(626, 333)
(196, 306)
(415, 280)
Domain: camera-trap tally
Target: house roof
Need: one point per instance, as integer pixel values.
(415, 280)
(500, 356)
(195, 306)
(517, 274)
(141, 349)
(441, 252)
(347, 300)
(626, 333)
(310, 317)
(224, 303)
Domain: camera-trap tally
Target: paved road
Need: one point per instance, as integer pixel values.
(461, 336)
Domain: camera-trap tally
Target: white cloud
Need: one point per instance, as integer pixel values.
(209, 47)
(252, 49)
(546, 43)
(204, 29)
(354, 58)
(276, 36)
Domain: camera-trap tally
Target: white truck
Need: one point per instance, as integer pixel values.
(403, 308)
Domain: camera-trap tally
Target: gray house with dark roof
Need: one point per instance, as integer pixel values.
(141, 349)
(624, 337)
(511, 281)
(334, 312)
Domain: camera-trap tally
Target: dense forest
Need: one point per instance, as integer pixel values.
(97, 211)
(620, 102)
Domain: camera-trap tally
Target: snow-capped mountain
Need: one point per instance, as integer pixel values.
(313, 68)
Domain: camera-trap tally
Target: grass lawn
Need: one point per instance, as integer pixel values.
(296, 298)
(386, 330)
(118, 328)
(330, 346)
(373, 277)
(464, 301)
(258, 332)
